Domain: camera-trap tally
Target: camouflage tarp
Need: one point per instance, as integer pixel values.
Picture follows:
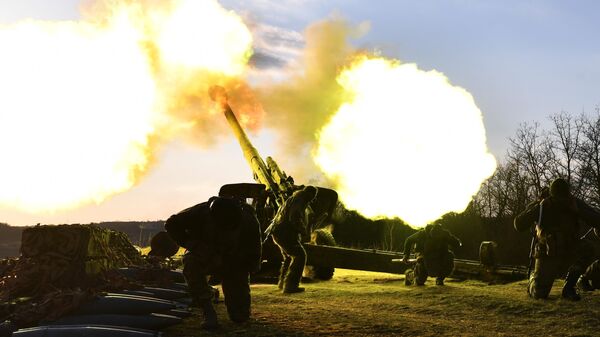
(56, 263)
(88, 249)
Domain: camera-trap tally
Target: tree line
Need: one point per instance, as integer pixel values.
(569, 148)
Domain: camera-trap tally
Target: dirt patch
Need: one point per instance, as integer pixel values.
(358, 303)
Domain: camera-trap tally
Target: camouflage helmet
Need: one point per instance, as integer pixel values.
(162, 245)
(559, 188)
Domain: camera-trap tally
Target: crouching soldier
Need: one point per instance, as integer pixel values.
(223, 239)
(433, 256)
(558, 248)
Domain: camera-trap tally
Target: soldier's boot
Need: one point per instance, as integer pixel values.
(439, 281)
(291, 283)
(569, 291)
(210, 316)
(216, 295)
(409, 277)
(583, 284)
(293, 290)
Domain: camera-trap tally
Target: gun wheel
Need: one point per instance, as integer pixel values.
(321, 237)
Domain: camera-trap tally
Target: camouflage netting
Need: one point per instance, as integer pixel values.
(90, 249)
(6, 266)
(56, 263)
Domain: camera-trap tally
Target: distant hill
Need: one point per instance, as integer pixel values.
(139, 232)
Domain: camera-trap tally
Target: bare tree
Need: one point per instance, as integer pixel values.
(570, 149)
(530, 151)
(565, 144)
(590, 158)
(504, 194)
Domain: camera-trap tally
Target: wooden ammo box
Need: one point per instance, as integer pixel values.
(87, 249)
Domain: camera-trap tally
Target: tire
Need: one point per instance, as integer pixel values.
(325, 238)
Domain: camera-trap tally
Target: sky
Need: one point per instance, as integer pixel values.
(521, 61)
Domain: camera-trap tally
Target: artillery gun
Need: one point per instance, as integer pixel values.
(323, 255)
(273, 187)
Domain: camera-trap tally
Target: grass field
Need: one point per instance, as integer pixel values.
(359, 303)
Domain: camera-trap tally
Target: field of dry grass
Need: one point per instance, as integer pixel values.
(359, 303)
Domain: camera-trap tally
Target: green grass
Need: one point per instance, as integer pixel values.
(359, 303)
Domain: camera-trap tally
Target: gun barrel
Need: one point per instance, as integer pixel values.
(258, 166)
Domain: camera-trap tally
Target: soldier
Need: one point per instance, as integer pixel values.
(558, 247)
(288, 227)
(433, 256)
(223, 239)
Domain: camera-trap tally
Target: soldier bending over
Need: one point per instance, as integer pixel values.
(223, 239)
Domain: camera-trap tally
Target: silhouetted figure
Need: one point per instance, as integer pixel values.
(558, 248)
(289, 224)
(223, 239)
(433, 257)
(162, 247)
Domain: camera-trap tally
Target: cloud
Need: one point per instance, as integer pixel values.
(305, 86)
(276, 49)
(276, 10)
(264, 60)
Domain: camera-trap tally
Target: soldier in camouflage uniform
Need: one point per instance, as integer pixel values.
(433, 256)
(288, 227)
(558, 248)
(223, 239)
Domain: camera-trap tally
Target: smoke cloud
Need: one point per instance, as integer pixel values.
(300, 105)
(86, 104)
